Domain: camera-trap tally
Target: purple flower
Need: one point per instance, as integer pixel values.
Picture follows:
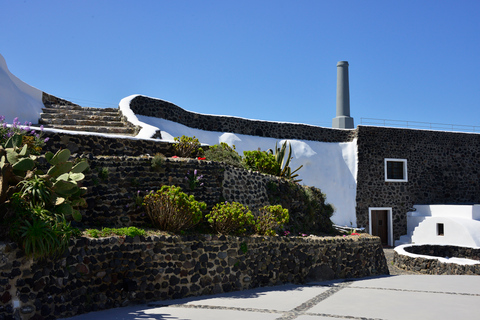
(46, 139)
(33, 132)
(41, 127)
(195, 172)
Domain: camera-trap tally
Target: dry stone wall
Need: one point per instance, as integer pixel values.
(434, 266)
(97, 274)
(165, 110)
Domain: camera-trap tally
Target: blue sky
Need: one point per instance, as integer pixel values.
(270, 60)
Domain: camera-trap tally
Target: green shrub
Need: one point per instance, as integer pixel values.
(158, 161)
(230, 218)
(40, 232)
(270, 219)
(224, 153)
(187, 147)
(261, 161)
(106, 232)
(35, 210)
(172, 210)
(307, 207)
(103, 173)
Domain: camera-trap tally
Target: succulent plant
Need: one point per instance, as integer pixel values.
(284, 162)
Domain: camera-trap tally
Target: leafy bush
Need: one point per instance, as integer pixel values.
(40, 232)
(172, 210)
(35, 207)
(261, 161)
(230, 218)
(307, 207)
(158, 161)
(224, 153)
(187, 146)
(270, 219)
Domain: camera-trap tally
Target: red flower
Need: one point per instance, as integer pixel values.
(200, 158)
(355, 234)
(175, 157)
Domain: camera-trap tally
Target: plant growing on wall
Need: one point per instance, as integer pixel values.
(187, 147)
(283, 159)
(261, 161)
(36, 207)
(158, 162)
(224, 153)
(230, 218)
(170, 209)
(193, 179)
(271, 219)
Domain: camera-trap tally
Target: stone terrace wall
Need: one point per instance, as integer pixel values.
(433, 266)
(106, 146)
(96, 274)
(111, 200)
(162, 109)
(443, 168)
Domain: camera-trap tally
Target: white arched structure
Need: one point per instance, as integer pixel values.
(443, 224)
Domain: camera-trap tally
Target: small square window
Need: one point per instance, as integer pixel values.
(396, 170)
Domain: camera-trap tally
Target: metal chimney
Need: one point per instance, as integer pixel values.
(343, 119)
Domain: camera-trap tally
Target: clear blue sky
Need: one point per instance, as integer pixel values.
(270, 60)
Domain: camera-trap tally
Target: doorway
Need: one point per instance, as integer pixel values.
(380, 223)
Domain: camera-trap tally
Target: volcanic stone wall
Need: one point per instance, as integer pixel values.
(113, 184)
(165, 110)
(434, 266)
(443, 168)
(97, 274)
(101, 145)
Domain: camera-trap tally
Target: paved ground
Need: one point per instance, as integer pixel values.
(389, 297)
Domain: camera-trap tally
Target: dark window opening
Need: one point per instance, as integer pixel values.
(440, 231)
(395, 170)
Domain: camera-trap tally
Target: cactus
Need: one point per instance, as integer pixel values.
(65, 176)
(15, 163)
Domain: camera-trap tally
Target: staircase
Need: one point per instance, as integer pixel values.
(76, 118)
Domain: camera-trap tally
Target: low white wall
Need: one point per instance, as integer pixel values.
(456, 231)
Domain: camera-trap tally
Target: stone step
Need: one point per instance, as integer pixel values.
(81, 116)
(99, 112)
(70, 107)
(111, 130)
(80, 122)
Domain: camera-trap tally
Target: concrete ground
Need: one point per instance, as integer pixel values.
(403, 296)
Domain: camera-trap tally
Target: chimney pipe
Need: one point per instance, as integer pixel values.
(343, 119)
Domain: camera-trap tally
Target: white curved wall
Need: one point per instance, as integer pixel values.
(18, 99)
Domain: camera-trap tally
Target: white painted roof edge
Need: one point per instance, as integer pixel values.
(461, 261)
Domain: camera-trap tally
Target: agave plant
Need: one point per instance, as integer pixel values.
(284, 162)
